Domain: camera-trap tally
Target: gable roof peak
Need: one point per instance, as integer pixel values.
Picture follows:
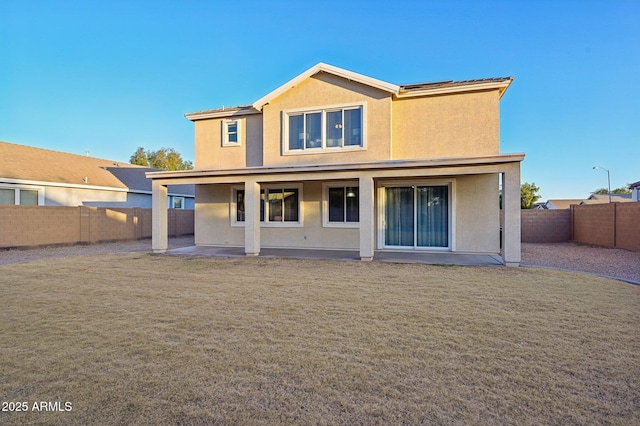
(330, 69)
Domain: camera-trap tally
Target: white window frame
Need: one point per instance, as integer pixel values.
(323, 110)
(233, 208)
(172, 204)
(325, 204)
(451, 183)
(225, 131)
(18, 188)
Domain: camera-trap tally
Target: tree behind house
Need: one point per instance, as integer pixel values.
(528, 195)
(164, 159)
(604, 191)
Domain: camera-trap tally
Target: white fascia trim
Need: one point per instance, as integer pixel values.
(502, 86)
(63, 185)
(194, 116)
(375, 165)
(321, 67)
(172, 194)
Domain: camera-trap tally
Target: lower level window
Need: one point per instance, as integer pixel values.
(177, 202)
(277, 205)
(23, 197)
(344, 204)
(7, 196)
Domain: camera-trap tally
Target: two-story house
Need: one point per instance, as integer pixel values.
(333, 159)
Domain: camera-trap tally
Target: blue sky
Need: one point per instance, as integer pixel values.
(110, 76)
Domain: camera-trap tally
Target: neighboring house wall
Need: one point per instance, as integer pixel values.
(64, 196)
(52, 195)
(64, 179)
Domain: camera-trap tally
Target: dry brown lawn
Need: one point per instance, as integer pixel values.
(144, 339)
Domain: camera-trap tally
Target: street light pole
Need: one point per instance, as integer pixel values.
(608, 179)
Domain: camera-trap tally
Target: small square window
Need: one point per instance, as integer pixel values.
(178, 202)
(231, 132)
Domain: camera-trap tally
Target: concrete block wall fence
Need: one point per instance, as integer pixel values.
(545, 226)
(615, 225)
(31, 226)
(608, 225)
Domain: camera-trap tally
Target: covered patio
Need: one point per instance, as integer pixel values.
(370, 178)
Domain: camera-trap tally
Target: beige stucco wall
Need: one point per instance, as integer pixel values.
(477, 214)
(323, 90)
(464, 124)
(209, 152)
(213, 226)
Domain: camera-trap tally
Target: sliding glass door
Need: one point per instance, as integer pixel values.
(416, 216)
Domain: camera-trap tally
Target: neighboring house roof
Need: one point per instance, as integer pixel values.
(635, 185)
(604, 198)
(561, 204)
(135, 179)
(399, 91)
(22, 163)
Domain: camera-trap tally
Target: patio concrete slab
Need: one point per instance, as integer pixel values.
(429, 258)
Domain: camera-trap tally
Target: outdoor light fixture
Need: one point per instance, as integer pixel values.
(608, 179)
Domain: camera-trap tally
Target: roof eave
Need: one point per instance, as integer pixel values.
(203, 115)
(502, 86)
(358, 166)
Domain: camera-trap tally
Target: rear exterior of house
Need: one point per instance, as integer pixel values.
(337, 160)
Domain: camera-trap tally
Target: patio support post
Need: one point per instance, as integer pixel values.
(367, 219)
(159, 214)
(511, 250)
(252, 218)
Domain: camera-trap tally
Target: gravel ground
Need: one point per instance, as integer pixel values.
(30, 255)
(613, 263)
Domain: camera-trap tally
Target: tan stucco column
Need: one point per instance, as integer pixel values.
(367, 219)
(251, 218)
(160, 226)
(511, 250)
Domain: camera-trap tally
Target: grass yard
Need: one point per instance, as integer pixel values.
(144, 339)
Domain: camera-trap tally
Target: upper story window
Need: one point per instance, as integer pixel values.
(324, 129)
(231, 132)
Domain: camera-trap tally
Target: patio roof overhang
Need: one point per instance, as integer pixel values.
(437, 166)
